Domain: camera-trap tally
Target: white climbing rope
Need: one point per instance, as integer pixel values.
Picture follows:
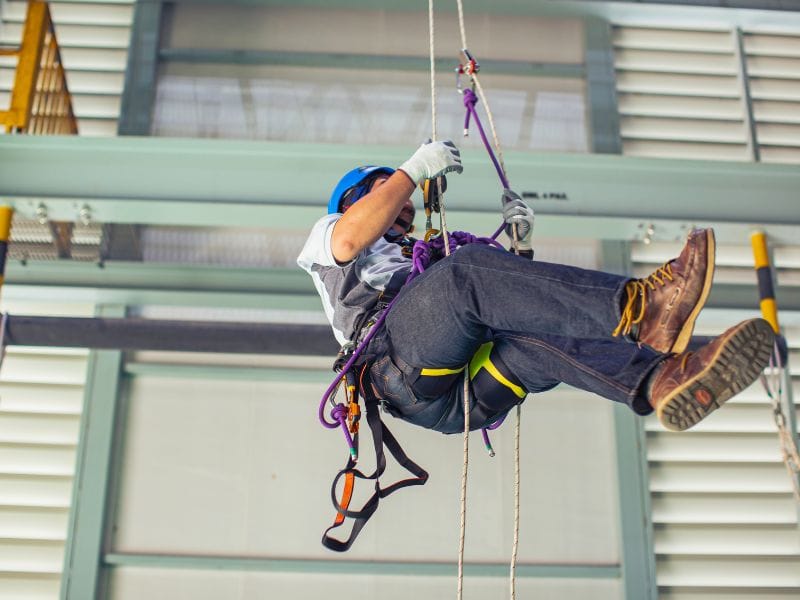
(479, 89)
(466, 394)
(465, 468)
(431, 36)
(499, 152)
(512, 575)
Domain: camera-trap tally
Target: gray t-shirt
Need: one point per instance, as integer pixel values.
(352, 289)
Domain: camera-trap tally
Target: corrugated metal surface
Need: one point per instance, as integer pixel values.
(94, 38)
(724, 515)
(41, 397)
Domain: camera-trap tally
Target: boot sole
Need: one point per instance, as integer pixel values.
(682, 341)
(738, 362)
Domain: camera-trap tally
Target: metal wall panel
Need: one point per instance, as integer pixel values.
(726, 523)
(41, 393)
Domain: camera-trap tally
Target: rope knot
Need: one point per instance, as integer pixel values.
(339, 412)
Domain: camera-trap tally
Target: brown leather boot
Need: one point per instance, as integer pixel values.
(661, 308)
(687, 387)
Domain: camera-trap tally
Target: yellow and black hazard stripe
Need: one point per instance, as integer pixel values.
(766, 289)
(6, 214)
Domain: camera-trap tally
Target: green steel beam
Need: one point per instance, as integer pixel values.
(85, 540)
(141, 72)
(601, 87)
(358, 567)
(160, 277)
(142, 284)
(262, 184)
(363, 61)
(635, 516)
(665, 13)
(228, 373)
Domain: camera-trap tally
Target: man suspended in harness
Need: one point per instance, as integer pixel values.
(518, 326)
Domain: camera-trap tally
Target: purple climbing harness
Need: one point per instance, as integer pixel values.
(421, 257)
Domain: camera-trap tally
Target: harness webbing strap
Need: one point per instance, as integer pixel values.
(381, 436)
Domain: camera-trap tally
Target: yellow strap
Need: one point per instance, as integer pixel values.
(439, 372)
(482, 360)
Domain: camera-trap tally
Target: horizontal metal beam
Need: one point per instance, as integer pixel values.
(160, 276)
(363, 61)
(359, 567)
(269, 184)
(169, 335)
(154, 284)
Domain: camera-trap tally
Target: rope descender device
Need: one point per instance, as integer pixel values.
(432, 192)
(470, 68)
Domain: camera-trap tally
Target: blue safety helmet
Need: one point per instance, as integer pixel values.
(355, 180)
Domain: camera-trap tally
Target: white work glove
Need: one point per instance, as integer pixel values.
(518, 215)
(431, 160)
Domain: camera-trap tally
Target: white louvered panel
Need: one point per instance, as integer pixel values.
(33, 523)
(773, 67)
(94, 38)
(685, 150)
(22, 459)
(714, 509)
(33, 398)
(31, 556)
(710, 540)
(773, 134)
(81, 36)
(775, 89)
(20, 587)
(712, 86)
(780, 155)
(723, 447)
(41, 397)
(661, 61)
(680, 106)
(773, 45)
(733, 572)
(776, 112)
(41, 428)
(679, 94)
(773, 64)
(92, 59)
(97, 127)
(687, 130)
(673, 39)
(717, 478)
(76, 13)
(50, 492)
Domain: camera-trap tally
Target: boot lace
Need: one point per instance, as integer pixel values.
(636, 303)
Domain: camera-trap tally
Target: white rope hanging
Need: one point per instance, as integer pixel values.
(479, 89)
(466, 393)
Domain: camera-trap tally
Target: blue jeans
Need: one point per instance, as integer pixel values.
(550, 323)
